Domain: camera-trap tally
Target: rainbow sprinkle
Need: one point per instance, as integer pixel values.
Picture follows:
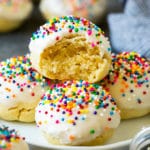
(19, 72)
(132, 69)
(7, 137)
(70, 24)
(73, 101)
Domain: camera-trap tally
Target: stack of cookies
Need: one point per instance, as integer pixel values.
(68, 82)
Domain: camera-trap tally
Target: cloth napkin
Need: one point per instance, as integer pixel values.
(130, 30)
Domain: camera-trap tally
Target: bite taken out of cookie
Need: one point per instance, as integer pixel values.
(70, 48)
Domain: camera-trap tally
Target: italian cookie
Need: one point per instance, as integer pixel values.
(128, 82)
(11, 140)
(21, 88)
(13, 13)
(77, 113)
(70, 48)
(91, 9)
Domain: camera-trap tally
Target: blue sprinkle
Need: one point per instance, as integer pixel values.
(7, 96)
(111, 113)
(123, 95)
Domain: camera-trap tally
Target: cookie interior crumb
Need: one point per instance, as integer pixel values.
(74, 58)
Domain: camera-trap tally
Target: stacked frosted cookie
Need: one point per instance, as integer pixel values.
(77, 109)
(21, 88)
(128, 81)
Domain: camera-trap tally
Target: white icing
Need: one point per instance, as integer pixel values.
(39, 44)
(130, 100)
(85, 122)
(21, 91)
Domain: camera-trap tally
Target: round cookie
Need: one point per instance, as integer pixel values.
(13, 12)
(77, 113)
(21, 88)
(10, 140)
(92, 10)
(70, 48)
(129, 83)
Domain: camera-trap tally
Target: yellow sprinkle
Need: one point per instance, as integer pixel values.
(84, 111)
(70, 121)
(45, 122)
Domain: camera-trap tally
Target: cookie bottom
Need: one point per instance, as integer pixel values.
(133, 113)
(97, 141)
(17, 114)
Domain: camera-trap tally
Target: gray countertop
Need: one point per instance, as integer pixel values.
(16, 42)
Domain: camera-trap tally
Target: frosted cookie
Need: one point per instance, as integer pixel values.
(90, 9)
(13, 13)
(77, 113)
(10, 140)
(70, 48)
(129, 83)
(21, 88)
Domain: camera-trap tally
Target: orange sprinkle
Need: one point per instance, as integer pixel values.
(51, 108)
(122, 90)
(8, 89)
(13, 95)
(9, 145)
(39, 122)
(106, 128)
(71, 137)
(96, 103)
(126, 86)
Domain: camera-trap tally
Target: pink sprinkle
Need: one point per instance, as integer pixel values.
(89, 32)
(92, 44)
(91, 89)
(34, 83)
(57, 121)
(46, 112)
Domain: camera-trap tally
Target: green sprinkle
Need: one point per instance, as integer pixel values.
(92, 131)
(76, 29)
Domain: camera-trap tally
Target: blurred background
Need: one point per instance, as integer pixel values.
(16, 42)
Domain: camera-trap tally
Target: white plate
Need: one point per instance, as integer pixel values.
(120, 139)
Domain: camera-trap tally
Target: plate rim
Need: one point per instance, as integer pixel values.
(98, 147)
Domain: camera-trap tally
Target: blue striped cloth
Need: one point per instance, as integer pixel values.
(130, 30)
